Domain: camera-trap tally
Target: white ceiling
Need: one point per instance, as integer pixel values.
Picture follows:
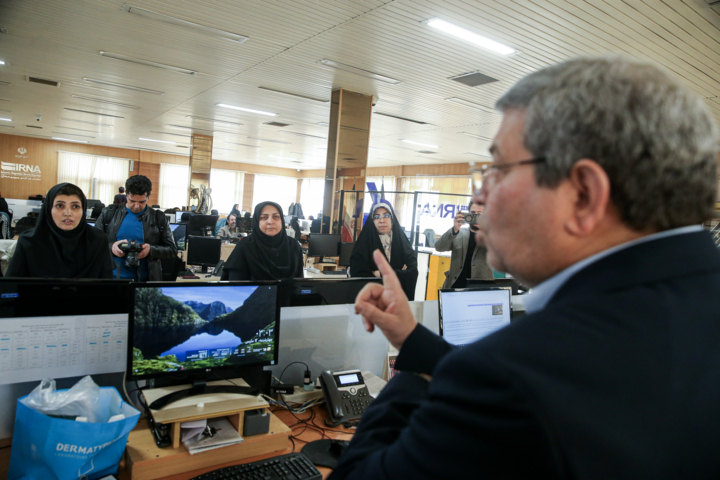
(61, 39)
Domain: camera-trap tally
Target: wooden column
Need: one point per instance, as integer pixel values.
(200, 162)
(348, 144)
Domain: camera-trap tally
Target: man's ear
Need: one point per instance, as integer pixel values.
(590, 187)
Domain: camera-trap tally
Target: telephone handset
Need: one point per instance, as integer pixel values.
(346, 396)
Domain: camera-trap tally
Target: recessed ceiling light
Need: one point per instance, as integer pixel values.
(104, 101)
(148, 63)
(188, 128)
(269, 141)
(302, 135)
(295, 95)
(212, 120)
(7, 126)
(6, 83)
(183, 23)
(400, 118)
(225, 149)
(6, 119)
(73, 134)
(476, 136)
(474, 105)
(242, 144)
(323, 124)
(78, 130)
(282, 158)
(86, 122)
(153, 140)
(173, 134)
(233, 107)
(471, 37)
(69, 140)
(418, 143)
(91, 113)
(2, 63)
(5, 100)
(358, 71)
(121, 85)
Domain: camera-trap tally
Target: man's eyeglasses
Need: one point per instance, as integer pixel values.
(384, 215)
(487, 174)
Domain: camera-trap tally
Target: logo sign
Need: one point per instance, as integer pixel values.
(20, 171)
(22, 151)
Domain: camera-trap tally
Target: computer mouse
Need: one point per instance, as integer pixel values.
(337, 447)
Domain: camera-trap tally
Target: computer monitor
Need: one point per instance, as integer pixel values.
(178, 216)
(199, 224)
(203, 251)
(174, 226)
(92, 224)
(346, 250)
(190, 333)
(90, 203)
(467, 315)
(288, 219)
(323, 245)
(77, 328)
(517, 288)
(327, 291)
(305, 225)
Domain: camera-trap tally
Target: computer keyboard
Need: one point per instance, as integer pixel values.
(292, 466)
(334, 272)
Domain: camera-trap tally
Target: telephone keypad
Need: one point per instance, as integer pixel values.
(356, 403)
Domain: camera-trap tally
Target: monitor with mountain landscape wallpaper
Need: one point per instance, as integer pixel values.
(180, 329)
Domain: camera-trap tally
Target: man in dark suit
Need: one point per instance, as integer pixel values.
(603, 170)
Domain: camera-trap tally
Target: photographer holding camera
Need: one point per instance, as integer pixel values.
(468, 257)
(139, 236)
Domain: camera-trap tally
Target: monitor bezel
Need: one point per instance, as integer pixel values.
(206, 373)
(315, 254)
(188, 261)
(470, 289)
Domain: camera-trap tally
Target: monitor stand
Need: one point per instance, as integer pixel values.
(200, 387)
(322, 260)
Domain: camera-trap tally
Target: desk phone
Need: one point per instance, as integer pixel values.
(346, 396)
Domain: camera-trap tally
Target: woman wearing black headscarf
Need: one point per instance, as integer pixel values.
(267, 254)
(382, 232)
(235, 211)
(62, 244)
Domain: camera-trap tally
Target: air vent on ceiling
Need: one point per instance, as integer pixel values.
(277, 124)
(426, 152)
(3, 30)
(400, 118)
(43, 81)
(473, 79)
(33, 126)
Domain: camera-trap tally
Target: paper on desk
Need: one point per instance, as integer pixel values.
(225, 435)
(374, 383)
(192, 429)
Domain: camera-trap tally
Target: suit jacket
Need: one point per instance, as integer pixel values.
(617, 378)
(458, 245)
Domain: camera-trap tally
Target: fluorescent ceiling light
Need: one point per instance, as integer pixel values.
(188, 128)
(78, 130)
(153, 140)
(7, 126)
(6, 83)
(86, 122)
(183, 23)
(173, 134)
(379, 149)
(488, 139)
(282, 158)
(478, 155)
(6, 119)
(302, 134)
(148, 63)
(5, 100)
(295, 95)
(233, 107)
(104, 101)
(269, 141)
(418, 143)
(212, 120)
(225, 149)
(73, 134)
(69, 140)
(2, 63)
(358, 71)
(91, 113)
(323, 124)
(471, 37)
(474, 105)
(242, 144)
(122, 85)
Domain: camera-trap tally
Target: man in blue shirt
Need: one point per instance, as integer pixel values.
(135, 220)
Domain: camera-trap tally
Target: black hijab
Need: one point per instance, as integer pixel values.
(47, 251)
(266, 257)
(235, 211)
(401, 252)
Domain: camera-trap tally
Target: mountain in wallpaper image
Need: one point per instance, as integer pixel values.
(181, 328)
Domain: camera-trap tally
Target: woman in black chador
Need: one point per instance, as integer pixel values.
(382, 232)
(62, 244)
(268, 253)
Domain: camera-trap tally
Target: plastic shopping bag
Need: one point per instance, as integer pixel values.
(51, 448)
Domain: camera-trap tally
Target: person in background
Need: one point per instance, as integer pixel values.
(267, 254)
(235, 210)
(7, 247)
(135, 220)
(62, 244)
(468, 255)
(230, 229)
(120, 198)
(245, 223)
(382, 231)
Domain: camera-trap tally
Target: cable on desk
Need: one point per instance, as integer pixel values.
(307, 369)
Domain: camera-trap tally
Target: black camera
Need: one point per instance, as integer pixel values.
(131, 249)
(471, 217)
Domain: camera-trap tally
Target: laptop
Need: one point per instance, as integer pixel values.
(467, 315)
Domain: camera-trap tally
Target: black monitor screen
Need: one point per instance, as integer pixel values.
(174, 226)
(332, 291)
(204, 251)
(178, 216)
(323, 245)
(177, 329)
(345, 253)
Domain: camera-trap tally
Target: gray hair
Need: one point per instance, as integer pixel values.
(654, 137)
